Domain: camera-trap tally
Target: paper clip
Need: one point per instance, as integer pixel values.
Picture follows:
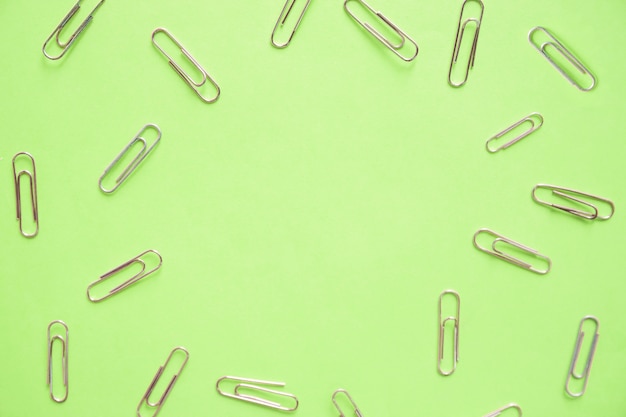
(553, 42)
(535, 120)
(146, 397)
(357, 412)
(572, 368)
(395, 48)
(282, 18)
(442, 328)
(143, 153)
(64, 341)
(57, 31)
(578, 197)
(498, 253)
(195, 85)
(460, 31)
(255, 385)
(134, 279)
(503, 409)
(32, 179)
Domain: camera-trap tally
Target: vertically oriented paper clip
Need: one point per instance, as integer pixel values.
(503, 409)
(132, 280)
(584, 199)
(143, 153)
(63, 339)
(256, 385)
(32, 179)
(159, 404)
(204, 76)
(57, 31)
(455, 319)
(282, 18)
(460, 31)
(394, 47)
(584, 375)
(501, 254)
(355, 408)
(534, 119)
(558, 46)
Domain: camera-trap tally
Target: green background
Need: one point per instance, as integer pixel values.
(309, 220)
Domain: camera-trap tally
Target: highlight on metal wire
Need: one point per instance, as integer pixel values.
(503, 409)
(588, 200)
(584, 375)
(282, 18)
(57, 31)
(357, 412)
(534, 119)
(143, 153)
(32, 179)
(558, 46)
(194, 85)
(442, 328)
(394, 47)
(501, 254)
(256, 385)
(460, 31)
(132, 280)
(62, 339)
(159, 404)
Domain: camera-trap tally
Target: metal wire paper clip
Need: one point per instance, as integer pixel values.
(64, 341)
(357, 412)
(282, 18)
(584, 375)
(579, 197)
(442, 328)
(498, 253)
(506, 407)
(256, 385)
(460, 31)
(535, 120)
(32, 179)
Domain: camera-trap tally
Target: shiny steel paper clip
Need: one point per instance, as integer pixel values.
(195, 85)
(442, 328)
(256, 385)
(57, 31)
(460, 31)
(132, 280)
(32, 179)
(143, 153)
(584, 375)
(499, 253)
(357, 412)
(554, 43)
(282, 18)
(146, 397)
(534, 119)
(394, 47)
(503, 409)
(579, 197)
(64, 341)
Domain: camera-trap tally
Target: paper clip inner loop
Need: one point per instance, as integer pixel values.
(534, 119)
(584, 375)
(64, 341)
(499, 253)
(32, 179)
(460, 31)
(256, 385)
(357, 412)
(455, 319)
(282, 18)
(503, 409)
(579, 197)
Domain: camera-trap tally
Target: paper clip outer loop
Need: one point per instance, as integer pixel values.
(284, 14)
(503, 409)
(32, 177)
(65, 46)
(357, 412)
(533, 126)
(254, 384)
(390, 45)
(572, 368)
(194, 85)
(442, 325)
(460, 31)
(566, 54)
(134, 279)
(508, 258)
(143, 153)
(570, 194)
(65, 345)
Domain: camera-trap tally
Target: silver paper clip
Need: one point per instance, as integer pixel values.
(534, 119)
(553, 42)
(159, 404)
(57, 31)
(32, 179)
(256, 385)
(357, 412)
(585, 199)
(143, 153)
(455, 319)
(282, 18)
(584, 375)
(503, 409)
(64, 341)
(460, 31)
(499, 253)
(394, 47)
(194, 85)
